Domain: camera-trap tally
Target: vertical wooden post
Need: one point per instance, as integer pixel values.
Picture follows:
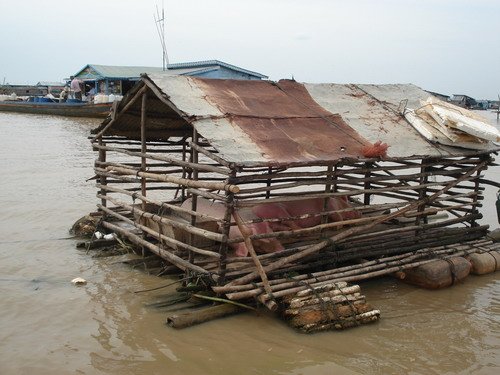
(334, 181)
(102, 179)
(475, 210)
(183, 189)
(226, 226)
(422, 193)
(268, 183)
(367, 184)
(328, 189)
(143, 146)
(143, 150)
(194, 199)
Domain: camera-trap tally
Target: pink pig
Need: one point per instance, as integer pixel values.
(304, 207)
(217, 210)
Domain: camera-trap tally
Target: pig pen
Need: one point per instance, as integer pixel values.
(263, 189)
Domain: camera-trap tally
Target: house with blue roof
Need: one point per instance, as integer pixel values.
(109, 79)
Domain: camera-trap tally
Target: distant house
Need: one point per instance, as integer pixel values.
(463, 101)
(53, 88)
(481, 104)
(24, 90)
(493, 104)
(443, 97)
(110, 79)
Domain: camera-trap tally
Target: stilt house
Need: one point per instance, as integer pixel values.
(184, 163)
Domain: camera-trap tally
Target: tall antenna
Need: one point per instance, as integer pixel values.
(160, 28)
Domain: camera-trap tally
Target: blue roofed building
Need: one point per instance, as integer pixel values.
(109, 79)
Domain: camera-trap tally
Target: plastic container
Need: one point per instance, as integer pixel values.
(484, 263)
(439, 273)
(98, 99)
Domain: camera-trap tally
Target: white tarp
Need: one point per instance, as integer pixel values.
(450, 125)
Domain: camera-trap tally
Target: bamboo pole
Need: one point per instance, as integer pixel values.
(300, 196)
(339, 224)
(174, 223)
(281, 290)
(225, 231)
(210, 155)
(191, 318)
(165, 158)
(117, 116)
(206, 194)
(248, 243)
(102, 179)
(172, 258)
(339, 172)
(349, 232)
(143, 145)
(386, 247)
(171, 207)
(194, 197)
(172, 242)
(178, 180)
(360, 267)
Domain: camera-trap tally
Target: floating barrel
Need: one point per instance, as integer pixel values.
(439, 273)
(484, 263)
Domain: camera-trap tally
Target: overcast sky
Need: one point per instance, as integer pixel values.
(448, 46)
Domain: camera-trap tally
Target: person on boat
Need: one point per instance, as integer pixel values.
(63, 96)
(76, 87)
(91, 94)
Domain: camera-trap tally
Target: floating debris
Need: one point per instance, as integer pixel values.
(79, 281)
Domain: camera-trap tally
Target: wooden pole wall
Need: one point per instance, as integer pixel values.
(102, 178)
(244, 187)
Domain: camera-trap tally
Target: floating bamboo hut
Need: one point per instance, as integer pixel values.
(176, 145)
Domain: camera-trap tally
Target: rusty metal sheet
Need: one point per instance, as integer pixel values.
(374, 119)
(275, 123)
(283, 121)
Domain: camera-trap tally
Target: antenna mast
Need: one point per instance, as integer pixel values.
(160, 28)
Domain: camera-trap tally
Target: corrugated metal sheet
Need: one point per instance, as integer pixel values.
(371, 110)
(285, 122)
(111, 71)
(197, 67)
(213, 63)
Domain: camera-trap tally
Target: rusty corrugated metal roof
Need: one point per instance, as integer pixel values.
(285, 122)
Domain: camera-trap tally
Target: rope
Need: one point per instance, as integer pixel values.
(351, 305)
(454, 277)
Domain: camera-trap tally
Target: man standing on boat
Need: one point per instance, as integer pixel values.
(76, 87)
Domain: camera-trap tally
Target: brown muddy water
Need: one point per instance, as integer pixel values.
(49, 326)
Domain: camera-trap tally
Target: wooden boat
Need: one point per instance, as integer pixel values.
(72, 109)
